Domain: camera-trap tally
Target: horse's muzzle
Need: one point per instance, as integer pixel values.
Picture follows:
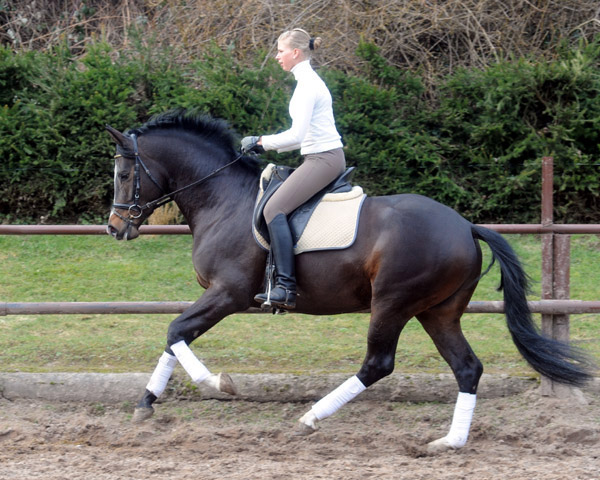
(120, 229)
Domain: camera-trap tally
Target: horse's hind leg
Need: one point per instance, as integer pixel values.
(442, 323)
(384, 330)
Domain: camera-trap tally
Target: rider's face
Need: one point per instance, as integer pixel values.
(286, 56)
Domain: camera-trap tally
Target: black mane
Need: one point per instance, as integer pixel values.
(191, 121)
(200, 124)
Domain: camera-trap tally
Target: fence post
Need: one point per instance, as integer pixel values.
(555, 275)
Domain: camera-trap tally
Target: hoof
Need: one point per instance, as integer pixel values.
(142, 414)
(307, 425)
(439, 446)
(303, 430)
(226, 384)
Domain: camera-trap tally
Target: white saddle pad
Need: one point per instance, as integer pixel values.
(333, 224)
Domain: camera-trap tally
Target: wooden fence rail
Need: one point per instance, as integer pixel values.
(525, 228)
(545, 307)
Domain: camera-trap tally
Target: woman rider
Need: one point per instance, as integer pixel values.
(313, 131)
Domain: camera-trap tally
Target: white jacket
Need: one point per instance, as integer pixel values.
(313, 126)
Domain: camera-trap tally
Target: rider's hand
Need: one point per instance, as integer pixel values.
(250, 144)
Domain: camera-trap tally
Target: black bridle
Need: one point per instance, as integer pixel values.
(134, 209)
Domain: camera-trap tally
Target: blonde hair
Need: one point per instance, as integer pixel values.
(300, 39)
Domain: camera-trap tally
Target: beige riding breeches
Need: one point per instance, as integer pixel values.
(316, 172)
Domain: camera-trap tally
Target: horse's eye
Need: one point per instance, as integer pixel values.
(123, 175)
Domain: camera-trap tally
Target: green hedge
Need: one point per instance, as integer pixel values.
(501, 121)
(476, 147)
(55, 156)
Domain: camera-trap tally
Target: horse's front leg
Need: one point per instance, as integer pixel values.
(211, 308)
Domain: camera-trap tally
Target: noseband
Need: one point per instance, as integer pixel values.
(135, 210)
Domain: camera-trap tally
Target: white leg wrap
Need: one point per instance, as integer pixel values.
(162, 373)
(461, 421)
(332, 402)
(190, 363)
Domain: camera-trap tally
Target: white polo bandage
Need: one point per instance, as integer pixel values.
(332, 402)
(461, 421)
(190, 363)
(162, 373)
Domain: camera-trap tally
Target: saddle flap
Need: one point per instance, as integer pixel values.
(270, 180)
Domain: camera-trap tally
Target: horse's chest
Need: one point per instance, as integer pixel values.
(201, 280)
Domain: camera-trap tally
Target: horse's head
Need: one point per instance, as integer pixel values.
(135, 188)
(177, 151)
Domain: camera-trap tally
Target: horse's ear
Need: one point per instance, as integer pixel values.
(116, 135)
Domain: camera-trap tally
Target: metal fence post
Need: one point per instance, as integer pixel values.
(556, 257)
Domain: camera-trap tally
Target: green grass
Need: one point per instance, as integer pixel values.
(159, 268)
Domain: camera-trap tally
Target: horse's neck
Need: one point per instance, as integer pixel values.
(230, 195)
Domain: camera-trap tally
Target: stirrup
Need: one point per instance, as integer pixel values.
(267, 306)
(288, 301)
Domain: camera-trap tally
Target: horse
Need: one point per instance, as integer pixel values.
(412, 257)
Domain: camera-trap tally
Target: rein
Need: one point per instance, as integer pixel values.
(135, 210)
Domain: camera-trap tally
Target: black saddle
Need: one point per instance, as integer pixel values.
(299, 217)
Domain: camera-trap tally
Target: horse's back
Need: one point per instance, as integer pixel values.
(417, 216)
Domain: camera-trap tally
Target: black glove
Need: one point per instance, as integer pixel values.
(249, 144)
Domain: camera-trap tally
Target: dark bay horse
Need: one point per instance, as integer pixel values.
(413, 257)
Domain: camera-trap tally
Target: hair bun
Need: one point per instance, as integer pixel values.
(315, 43)
(298, 38)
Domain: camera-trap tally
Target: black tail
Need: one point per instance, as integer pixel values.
(554, 359)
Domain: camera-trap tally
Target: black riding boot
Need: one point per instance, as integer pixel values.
(284, 293)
